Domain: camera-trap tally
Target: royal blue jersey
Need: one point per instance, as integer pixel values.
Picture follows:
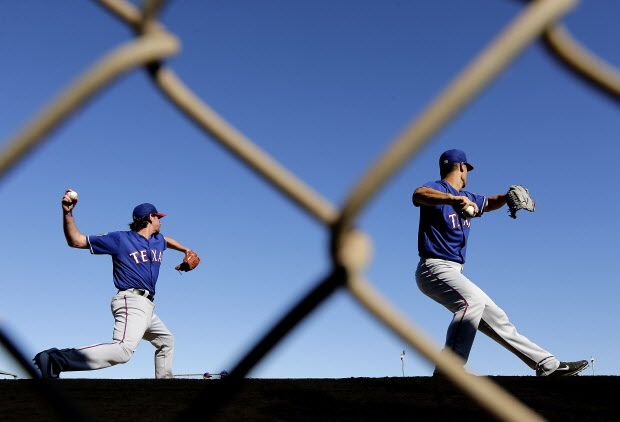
(135, 259)
(443, 232)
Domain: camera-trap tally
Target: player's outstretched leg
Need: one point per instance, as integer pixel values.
(565, 369)
(131, 313)
(496, 325)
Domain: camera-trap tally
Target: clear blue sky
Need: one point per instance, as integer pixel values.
(323, 87)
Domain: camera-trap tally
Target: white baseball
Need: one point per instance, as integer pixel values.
(470, 211)
(73, 195)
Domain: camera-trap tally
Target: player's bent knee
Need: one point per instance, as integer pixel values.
(125, 355)
(475, 305)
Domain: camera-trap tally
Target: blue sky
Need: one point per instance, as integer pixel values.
(323, 87)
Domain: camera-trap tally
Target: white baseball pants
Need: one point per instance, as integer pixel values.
(134, 320)
(444, 282)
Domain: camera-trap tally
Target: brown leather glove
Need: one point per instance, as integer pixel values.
(190, 261)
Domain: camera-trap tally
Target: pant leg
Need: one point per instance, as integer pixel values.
(496, 325)
(132, 314)
(160, 336)
(444, 282)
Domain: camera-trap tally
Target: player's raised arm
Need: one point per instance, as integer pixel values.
(429, 196)
(75, 239)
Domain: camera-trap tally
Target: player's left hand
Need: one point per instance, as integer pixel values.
(519, 198)
(190, 261)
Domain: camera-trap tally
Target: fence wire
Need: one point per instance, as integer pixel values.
(350, 248)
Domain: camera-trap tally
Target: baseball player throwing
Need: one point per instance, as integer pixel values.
(136, 258)
(446, 212)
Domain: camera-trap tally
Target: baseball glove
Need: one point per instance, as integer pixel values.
(190, 261)
(518, 198)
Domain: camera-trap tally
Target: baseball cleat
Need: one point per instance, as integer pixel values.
(565, 369)
(45, 363)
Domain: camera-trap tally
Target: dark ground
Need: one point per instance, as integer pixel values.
(585, 398)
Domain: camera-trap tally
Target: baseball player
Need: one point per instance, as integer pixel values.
(136, 258)
(442, 242)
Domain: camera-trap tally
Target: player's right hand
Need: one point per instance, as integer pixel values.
(463, 202)
(67, 203)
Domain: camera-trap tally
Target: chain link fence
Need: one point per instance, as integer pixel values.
(350, 249)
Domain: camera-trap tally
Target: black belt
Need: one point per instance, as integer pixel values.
(142, 292)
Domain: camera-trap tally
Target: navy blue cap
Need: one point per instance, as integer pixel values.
(454, 156)
(145, 209)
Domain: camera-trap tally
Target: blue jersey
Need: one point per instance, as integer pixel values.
(443, 232)
(135, 259)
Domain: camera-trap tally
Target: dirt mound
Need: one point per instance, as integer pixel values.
(352, 399)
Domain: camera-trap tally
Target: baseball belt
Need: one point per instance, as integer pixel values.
(141, 292)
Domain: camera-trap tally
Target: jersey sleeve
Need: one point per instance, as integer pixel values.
(433, 185)
(103, 244)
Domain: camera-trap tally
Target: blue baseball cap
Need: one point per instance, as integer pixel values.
(145, 209)
(454, 156)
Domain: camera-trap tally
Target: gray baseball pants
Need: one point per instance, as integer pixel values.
(444, 282)
(134, 320)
